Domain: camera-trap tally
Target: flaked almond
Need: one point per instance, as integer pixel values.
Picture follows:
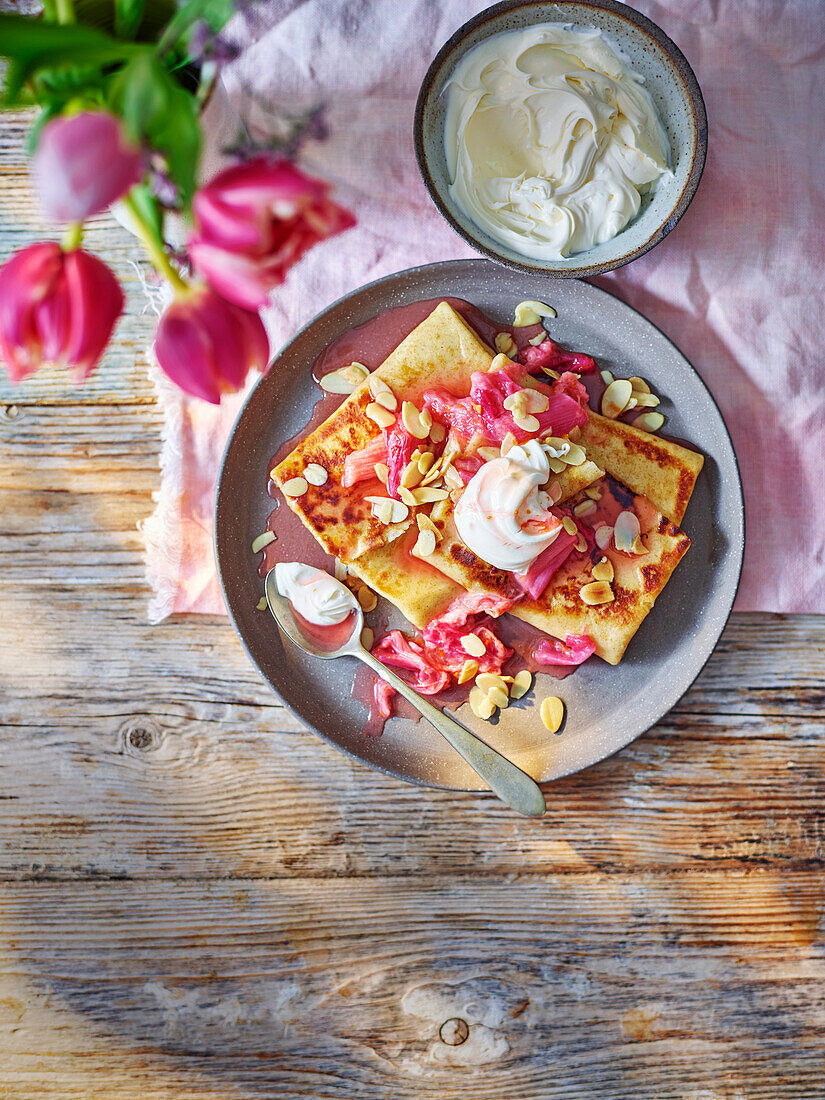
(557, 465)
(425, 461)
(367, 598)
(438, 433)
(604, 536)
(480, 705)
(507, 443)
(381, 471)
(261, 605)
(487, 680)
(517, 400)
(411, 475)
(625, 531)
(489, 454)
(526, 421)
(262, 540)
(412, 421)
(354, 372)
(499, 697)
(585, 508)
(536, 402)
(383, 512)
(340, 570)
(575, 455)
(539, 338)
(452, 479)
(575, 434)
(506, 344)
(472, 644)
(616, 397)
(649, 422)
(646, 400)
(499, 362)
(551, 373)
(367, 637)
(433, 476)
(426, 524)
(429, 495)
(295, 487)
(639, 547)
(378, 385)
(398, 510)
(595, 593)
(639, 385)
(569, 526)
(530, 312)
(607, 376)
(468, 671)
(603, 570)
(594, 492)
(424, 545)
(522, 682)
(405, 494)
(581, 544)
(552, 712)
(387, 401)
(426, 418)
(334, 382)
(379, 415)
(315, 474)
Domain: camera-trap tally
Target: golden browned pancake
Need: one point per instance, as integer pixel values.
(560, 610)
(655, 468)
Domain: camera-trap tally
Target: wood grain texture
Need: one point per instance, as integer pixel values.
(198, 899)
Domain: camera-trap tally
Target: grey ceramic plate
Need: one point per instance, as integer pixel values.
(607, 707)
(668, 77)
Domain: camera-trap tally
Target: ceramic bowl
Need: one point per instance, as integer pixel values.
(668, 77)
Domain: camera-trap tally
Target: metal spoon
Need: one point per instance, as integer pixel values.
(510, 783)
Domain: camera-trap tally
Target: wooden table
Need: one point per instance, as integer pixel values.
(200, 900)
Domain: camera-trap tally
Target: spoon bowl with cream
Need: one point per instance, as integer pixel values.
(563, 138)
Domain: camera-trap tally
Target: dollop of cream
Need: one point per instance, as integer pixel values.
(314, 594)
(500, 517)
(550, 139)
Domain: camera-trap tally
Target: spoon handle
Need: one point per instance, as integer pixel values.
(510, 783)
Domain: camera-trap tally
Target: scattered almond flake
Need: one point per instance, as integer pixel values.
(429, 495)
(575, 434)
(410, 475)
(615, 398)
(468, 671)
(438, 433)
(625, 531)
(387, 401)
(378, 385)
(381, 472)
(488, 680)
(607, 377)
(555, 448)
(432, 478)
(499, 697)
(506, 344)
(451, 451)
(557, 465)
(334, 382)
(552, 712)
(414, 457)
(508, 442)
(569, 526)
(379, 415)
(499, 362)
(576, 456)
(522, 682)
(340, 570)
(315, 474)
(554, 491)
(550, 372)
(426, 418)
(516, 401)
(581, 545)
(383, 512)
(261, 605)
(480, 705)
(594, 492)
(367, 598)
(639, 547)
(426, 524)
(472, 644)
(412, 421)
(585, 508)
(295, 487)
(595, 593)
(646, 400)
(539, 339)
(425, 461)
(354, 372)
(489, 454)
(536, 402)
(639, 385)
(406, 496)
(263, 540)
(452, 479)
(367, 637)
(395, 510)
(649, 422)
(527, 422)
(530, 312)
(630, 405)
(393, 534)
(455, 495)
(603, 570)
(424, 545)
(604, 536)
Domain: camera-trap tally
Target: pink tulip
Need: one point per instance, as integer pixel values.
(207, 345)
(254, 221)
(56, 307)
(83, 164)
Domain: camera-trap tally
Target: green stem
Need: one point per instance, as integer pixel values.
(154, 246)
(72, 237)
(64, 10)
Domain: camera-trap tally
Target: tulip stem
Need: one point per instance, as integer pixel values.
(73, 237)
(64, 10)
(154, 246)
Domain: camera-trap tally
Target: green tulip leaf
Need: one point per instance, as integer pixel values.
(128, 17)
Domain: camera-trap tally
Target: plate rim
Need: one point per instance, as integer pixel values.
(220, 482)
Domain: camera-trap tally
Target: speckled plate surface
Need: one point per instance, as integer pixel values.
(670, 81)
(607, 707)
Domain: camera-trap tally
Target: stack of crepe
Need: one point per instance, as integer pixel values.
(443, 352)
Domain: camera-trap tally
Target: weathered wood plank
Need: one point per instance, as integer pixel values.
(582, 986)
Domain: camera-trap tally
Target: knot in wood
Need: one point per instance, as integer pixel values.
(139, 735)
(454, 1031)
(10, 412)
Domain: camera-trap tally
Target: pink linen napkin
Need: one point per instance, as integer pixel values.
(739, 285)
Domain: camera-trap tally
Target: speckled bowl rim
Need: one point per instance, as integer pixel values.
(699, 118)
